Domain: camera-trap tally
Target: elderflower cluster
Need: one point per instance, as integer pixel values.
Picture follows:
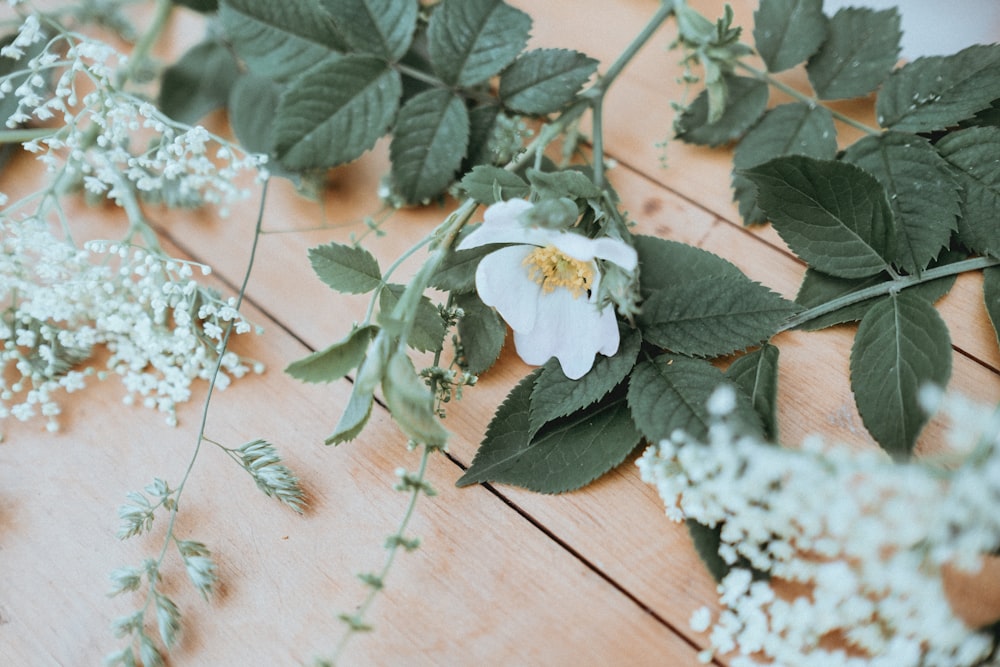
(74, 79)
(160, 327)
(867, 539)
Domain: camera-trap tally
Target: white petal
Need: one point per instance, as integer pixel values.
(503, 282)
(585, 249)
(571, 330)
(502, 224)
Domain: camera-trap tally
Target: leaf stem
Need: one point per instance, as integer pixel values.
(161, 14)
(887, 287)
(772, 81)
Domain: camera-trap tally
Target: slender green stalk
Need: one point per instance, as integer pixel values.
(19, 136)
(767, 78)
(143, 47)
(887, 287)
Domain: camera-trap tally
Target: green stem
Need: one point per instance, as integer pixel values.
(767, 78)
(887, 287)
(662, 14)
(143, 47)
(26, 134)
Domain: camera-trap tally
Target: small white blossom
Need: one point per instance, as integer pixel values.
(546, 287)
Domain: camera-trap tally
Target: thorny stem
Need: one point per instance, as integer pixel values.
(767, 78)
(888, 287)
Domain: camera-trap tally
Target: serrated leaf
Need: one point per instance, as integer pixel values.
(833, 215)
(756, 374)
(335, 111)
(345, 268)
(543, 81)
(901, 345)
(482, 122)
(471, 40)
(664, 263)
(411, 403)
(923, 195)
(253, 103)
(336, 360)
(555, 395)
(481, 331)
(972, 153)
(786, 32)
(199, 82)
(428, 143)
(936, 92)
(382, 28)
(860, 50)
(570, 183)
(671, 392)
(279, 39)
(991, 297)
(818, 288)
(746, 102)
(568, 455)
(488, 184)
(457, 273)
(789, 129)
(712, 316)
(428, 331)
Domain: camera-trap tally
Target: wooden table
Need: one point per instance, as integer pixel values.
(503, 576)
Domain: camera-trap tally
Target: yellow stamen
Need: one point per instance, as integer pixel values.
(551, 269)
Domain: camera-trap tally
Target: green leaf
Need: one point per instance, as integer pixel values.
(253, 103)
(481, 331)
(199, 82)
(457, 273)
(354, 418)
(345, 268)
(901, 345)
(923, 195)
(428, 331)
(568, 455)
(973, 155)
(991, 297)
(544, 81)
(335, 111)
(671, 392)
(570, 183)
(472, 40)
(789, 129)
(818, 288)
(936, 92)
(706, 542)
(745, 104)
(203, 6)
(664, 263)
(428, 143)
(488, 184)
(279, 39)
(786, 32)
(411, 403)
(335, 361)
(756, 374)
(860, 50)
(382, 28)
(712, 316)
(556, 396)
(482, 125)
(832, 214)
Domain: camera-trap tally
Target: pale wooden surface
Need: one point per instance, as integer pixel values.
(504, 576)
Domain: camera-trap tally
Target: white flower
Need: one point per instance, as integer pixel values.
(546, 287)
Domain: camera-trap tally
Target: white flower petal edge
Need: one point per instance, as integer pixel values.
(502, 224)
(502, 282)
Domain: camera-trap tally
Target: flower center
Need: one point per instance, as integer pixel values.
(551, 269)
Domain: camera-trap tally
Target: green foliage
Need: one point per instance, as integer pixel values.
(481, 331)
(991, 297)
(252, 107)
(488, 184)
(471, 40)
(431, 136)
(457, 273)
(833, 215)
(345, 268)
(357, 412)
(860, 50)
(786, 32)
(901, 345)
(428, 326)
(336, 360)
(335, 111)
(923, 195)
(746, 103)
(756, 375)
(972, 155)
(566, 455)
(937, 92)
(382, 28)
(565, 183)
(203, 6)
(544, 81)
(788, 129)
(199, 82)
(411, 403)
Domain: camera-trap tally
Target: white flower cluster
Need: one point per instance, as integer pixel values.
(161, 328)
(73, 79)
(865, 538)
